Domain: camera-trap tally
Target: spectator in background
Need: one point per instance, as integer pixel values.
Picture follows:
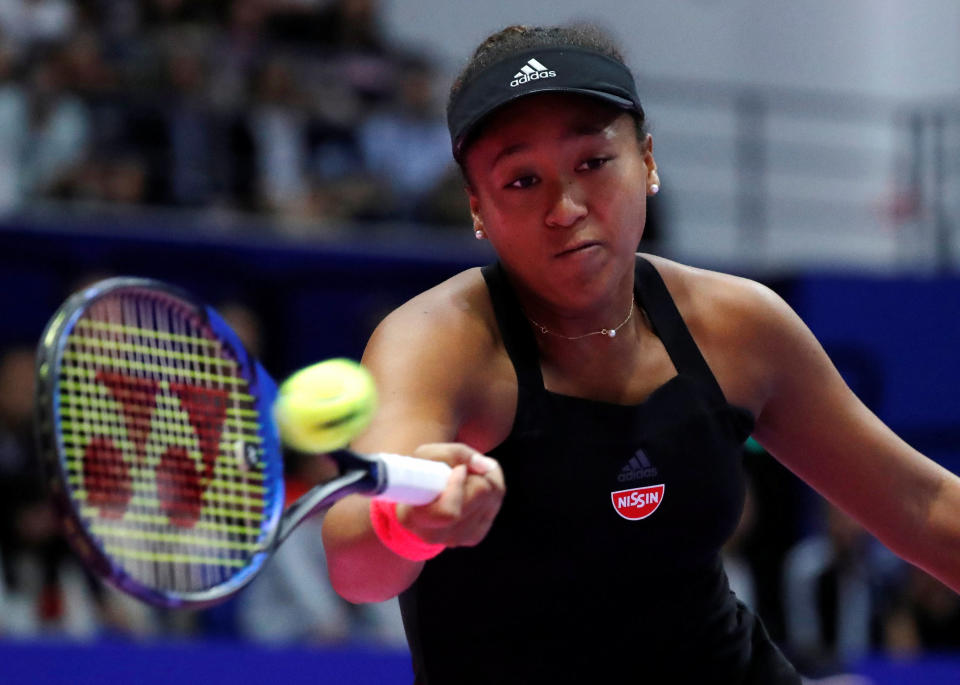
(778, 497)
(833, 585)
(85, 68)
(407, 146)
(159, 109)
(192, 132)
(113, 172)
(925, 617)
(45, 591)
(735, 561)
(37, 23)
(165, 13)
(353, 25)
(56, 132)
(237, 49)
(95, 81)
(350, 37)
(13, 118)
(19, 478)
(121, 179)
(278, 126)
(44, 131)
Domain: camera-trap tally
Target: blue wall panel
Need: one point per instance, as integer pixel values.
(896, 342)
(43, 663)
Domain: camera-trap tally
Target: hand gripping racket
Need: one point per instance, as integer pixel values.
(162, 451)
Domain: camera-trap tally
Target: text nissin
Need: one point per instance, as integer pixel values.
(531, 77)
(638, 499)
(637, 503)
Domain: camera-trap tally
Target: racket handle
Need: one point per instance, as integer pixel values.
(410, 480)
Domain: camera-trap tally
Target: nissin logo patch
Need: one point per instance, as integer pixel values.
(637, 503)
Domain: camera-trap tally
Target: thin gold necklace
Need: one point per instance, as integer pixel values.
(609, 332)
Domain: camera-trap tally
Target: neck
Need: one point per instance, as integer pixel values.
(596, 367)
(568, 320)
(603, 332)
(577, 313)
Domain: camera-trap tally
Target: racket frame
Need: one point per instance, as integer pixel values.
(51, 446)
(368, 474)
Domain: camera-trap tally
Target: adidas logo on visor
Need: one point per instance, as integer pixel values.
(531, 71)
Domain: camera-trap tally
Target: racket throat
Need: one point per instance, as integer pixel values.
(357, 481)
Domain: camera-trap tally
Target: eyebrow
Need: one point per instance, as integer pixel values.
(507, 151)
(576, 132)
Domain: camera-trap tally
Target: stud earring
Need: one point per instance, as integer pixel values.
(479, 234)
(654, 188)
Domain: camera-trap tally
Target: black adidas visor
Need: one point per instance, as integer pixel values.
(542, 70)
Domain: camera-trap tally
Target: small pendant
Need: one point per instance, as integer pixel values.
(612, 333)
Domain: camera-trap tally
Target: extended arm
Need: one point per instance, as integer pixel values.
(425, 359)
(817, 427)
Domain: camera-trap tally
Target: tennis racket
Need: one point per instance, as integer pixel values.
(162, 452)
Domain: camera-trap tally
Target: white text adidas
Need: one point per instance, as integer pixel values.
(531, 71)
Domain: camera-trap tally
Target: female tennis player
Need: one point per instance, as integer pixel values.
(611, 392)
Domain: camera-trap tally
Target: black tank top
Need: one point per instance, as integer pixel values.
(603, 563)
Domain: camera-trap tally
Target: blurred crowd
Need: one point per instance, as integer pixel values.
(301, 110)
(829, 593)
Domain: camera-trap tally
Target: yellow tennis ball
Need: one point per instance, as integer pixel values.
(323, 407)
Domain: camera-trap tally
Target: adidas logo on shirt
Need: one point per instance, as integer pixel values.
(638, 468)
(531, 71)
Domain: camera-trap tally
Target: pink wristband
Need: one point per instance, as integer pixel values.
(396, 538)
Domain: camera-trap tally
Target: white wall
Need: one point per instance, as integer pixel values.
(897, 48)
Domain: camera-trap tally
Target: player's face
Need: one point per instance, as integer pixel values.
(559, 183)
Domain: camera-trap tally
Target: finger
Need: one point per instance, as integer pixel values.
(449, 506)
(482, 464)
(483, 499)
(484, 491)
(451, 453)
(433, 521)
(472, 531)
(479, 490)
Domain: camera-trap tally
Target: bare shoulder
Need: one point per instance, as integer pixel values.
(453, 318)
(711, 297)
(739, 325)
(438, 362)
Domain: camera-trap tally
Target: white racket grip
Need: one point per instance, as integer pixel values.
(412, 481)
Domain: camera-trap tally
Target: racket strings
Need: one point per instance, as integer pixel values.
(159, 409)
